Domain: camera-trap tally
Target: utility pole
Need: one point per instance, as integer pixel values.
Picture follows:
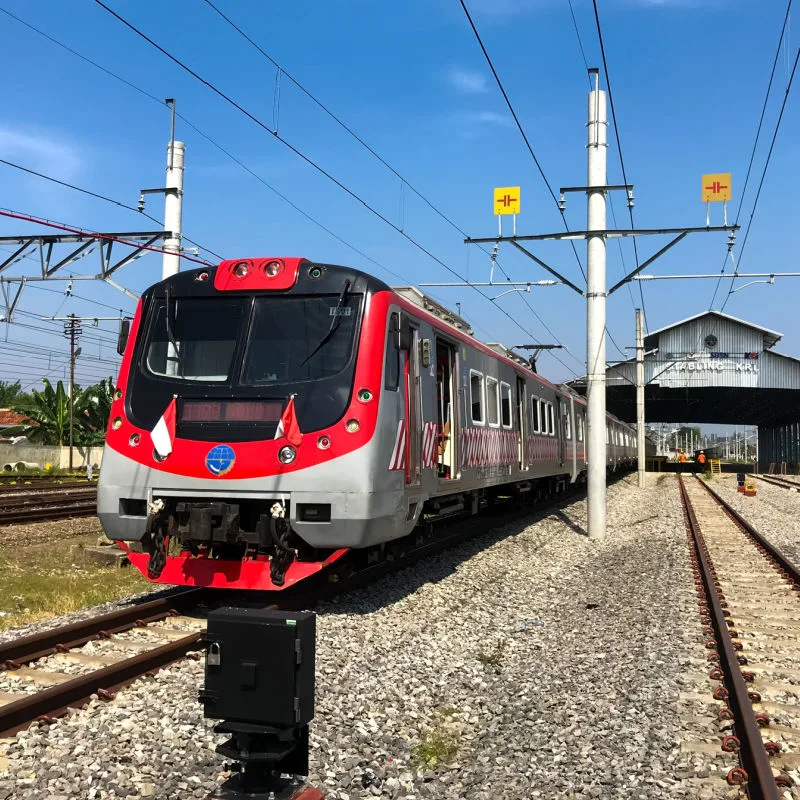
(596, 309)
(72, 330)
(173, 201)
(640, 457)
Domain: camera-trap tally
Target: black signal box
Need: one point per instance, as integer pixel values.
(260, 667)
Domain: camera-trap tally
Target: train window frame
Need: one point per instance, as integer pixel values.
(579, 419)
(505, 388)
(492, 384)
(474, 373)
(392, 353)
(535, 421)
(567, 421)
(607, 434)
(551, 426)
(543, 416)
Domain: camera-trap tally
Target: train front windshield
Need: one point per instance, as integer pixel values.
(247, 347)
(289, 340)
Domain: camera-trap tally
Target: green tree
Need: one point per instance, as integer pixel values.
(48, 412)
(10, 393)
(94, 411)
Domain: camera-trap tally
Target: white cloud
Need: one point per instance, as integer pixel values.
(467, 82)
(473, 124)
(39, 151)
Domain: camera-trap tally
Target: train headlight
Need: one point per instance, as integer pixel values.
(273, 268)
(240, 269)
(352, 425)
(116, 423)
(287, 454)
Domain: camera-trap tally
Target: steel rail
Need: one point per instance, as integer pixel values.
(54, 497)
(81, 508)
(761, 784)
(788, 570)
(53, 702)
(776, 480)
(28, 648)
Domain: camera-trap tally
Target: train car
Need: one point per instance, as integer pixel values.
(273, 414)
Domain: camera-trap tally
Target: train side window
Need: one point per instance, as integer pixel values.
(505, 405)
(579, 419)
(476, 396)
(492, 402)
(536, 423)
(551, 428)
(543, 416)
(567, 421)
(391, 370)
(607, 437)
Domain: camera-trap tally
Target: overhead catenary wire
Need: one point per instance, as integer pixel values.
(619, 146)
(403, 179)
(519, 128)
(755, 143)
(763, 175)
(240, 163)
(111, 200)
(310, 161)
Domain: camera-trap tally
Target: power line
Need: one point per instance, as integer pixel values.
(101, 197)
(755, 144)
(580, 41)
(299, 153)
(363, 143)
(763, 175)
(519, 128)
(619, 148)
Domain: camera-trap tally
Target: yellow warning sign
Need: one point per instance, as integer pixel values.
(506, 200)
(717, 187)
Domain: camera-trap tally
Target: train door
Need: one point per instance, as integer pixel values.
(446, 411)
(560, 430)
(522, 423)
(409, 334)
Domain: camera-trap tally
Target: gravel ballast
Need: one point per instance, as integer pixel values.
(527, 662)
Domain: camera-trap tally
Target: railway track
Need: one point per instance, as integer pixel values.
(776, 480)
(56, 504)
(749, 597)
(20, 487)
(62, 668)
(108, 665)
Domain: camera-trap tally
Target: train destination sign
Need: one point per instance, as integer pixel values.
(506, 200)
(716, 187)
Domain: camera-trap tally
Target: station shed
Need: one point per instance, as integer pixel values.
(715, 368)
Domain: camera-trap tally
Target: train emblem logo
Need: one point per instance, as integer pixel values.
(220, 460)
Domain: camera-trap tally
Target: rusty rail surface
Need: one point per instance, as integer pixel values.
(761, 784)
(54, 702)
(58, 640)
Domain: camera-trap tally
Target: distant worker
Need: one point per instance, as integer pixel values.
(681, 461)
(701, 462)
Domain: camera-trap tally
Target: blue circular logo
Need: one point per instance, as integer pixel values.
(220, 460)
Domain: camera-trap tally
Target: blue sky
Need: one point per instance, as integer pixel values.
(688, 77)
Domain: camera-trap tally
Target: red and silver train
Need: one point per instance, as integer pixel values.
(273, 414)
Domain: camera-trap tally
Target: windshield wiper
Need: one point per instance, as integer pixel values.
(337, 318)
(175, 355)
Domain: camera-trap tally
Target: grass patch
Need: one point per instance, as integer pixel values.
(39, 581)
(493, 658)
(441, 742)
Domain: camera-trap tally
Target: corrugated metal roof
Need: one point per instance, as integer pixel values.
(770, 338)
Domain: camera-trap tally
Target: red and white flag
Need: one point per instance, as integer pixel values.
(163, 435)
(288, 427)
